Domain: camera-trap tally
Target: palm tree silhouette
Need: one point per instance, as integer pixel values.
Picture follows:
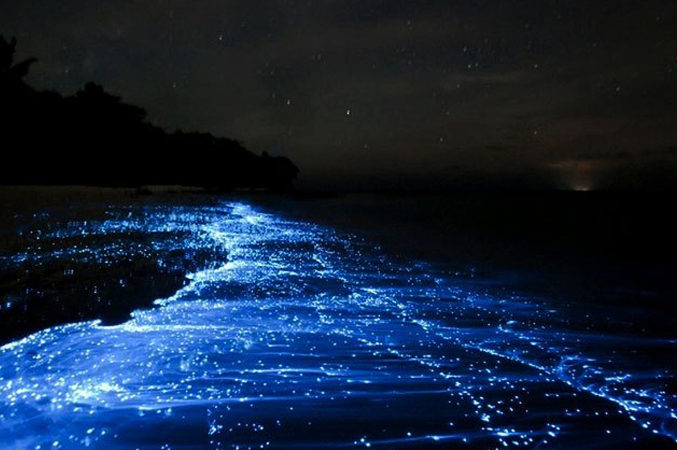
(11, 74)
(7, 67)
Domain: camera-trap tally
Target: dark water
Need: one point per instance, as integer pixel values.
(443, 323)
(600, 250)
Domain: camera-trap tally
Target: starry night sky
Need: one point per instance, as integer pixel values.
(567, 93)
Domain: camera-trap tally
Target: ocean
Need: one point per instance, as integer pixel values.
(479, 321)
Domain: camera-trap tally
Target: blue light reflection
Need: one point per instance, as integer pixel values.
(307, 338)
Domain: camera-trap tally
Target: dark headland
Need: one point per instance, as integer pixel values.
(94, 138)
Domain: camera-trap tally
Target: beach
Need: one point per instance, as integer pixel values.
(275, 324)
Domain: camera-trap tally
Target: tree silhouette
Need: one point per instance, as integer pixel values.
(99, 140)
(11, 74)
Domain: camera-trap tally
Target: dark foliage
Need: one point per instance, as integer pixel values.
(94, 138)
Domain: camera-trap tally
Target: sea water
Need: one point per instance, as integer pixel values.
(298, 335)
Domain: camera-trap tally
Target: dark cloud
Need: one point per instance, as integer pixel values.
(383, 89)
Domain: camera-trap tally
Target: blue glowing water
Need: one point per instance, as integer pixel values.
(310, 338)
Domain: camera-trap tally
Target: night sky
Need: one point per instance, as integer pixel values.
(575, 94)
